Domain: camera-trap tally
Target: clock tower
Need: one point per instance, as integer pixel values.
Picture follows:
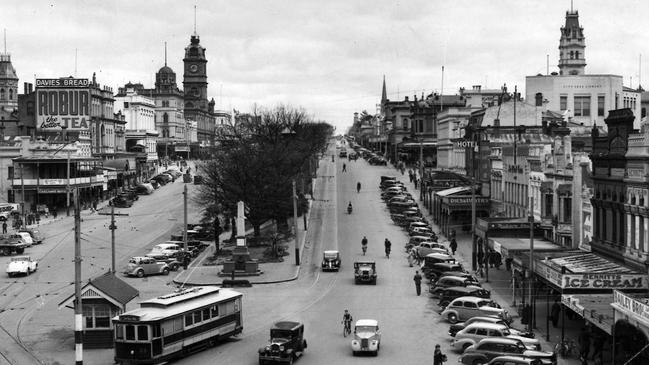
(195, 77)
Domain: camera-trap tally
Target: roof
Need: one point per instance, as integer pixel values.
(176, 303)
(331, 252)
(455, 190)
(500, 340)
(439, 256)
(165, 70)
(286, 325)
(109, 287)
(487, 325)
(589, 263)
(367, 322)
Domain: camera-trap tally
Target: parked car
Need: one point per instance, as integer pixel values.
(473, 333)
(130, 194)
(342, 153)
(367, 337)
(435, 258)
(435, 271)
(515, 360)
(164, 250)
(490, 348)
(400, 198)
(121, 202)
(36, 235)
(286, 343)
(144, 189)
(449, 294)
(399, 207)
(26, 237)
(198, 179)
(154, 183)
(331, 260)
(163, 179)
(141, 266)
(24, 265)
(455, 328)
(426, 248)
(464, 308)
(452, 281)
(365, 272)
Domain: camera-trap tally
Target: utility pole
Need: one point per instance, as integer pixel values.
(22, 187)
(112, 228)
(78, 312)
(531, 271)
(185, 218)
(297, 242)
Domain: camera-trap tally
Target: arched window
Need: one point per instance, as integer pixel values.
(11, 94)
(572, 55)
(2, 94)
(165, 118)
(577, 54)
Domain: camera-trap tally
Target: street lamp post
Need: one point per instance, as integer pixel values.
(297, 241)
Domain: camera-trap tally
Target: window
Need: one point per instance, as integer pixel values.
(130, 332)
(572, 55)
(548, 205)
(189, 319)
(119, 331)
(214, 311)
(470, 305)
(142, 333)
(600, 105)
(563, 102)
(2, 94)
(197, 317)
(102, 316)
(481, 332)
(206, 314)
(11, 94)
(582, 106)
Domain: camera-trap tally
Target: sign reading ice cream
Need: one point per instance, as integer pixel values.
(62, 103)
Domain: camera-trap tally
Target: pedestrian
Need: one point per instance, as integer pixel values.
(598, 346)
(453, 245)
(438, 357)
(417, 280)
(410, 174)
(4, 227)
(480, 256)
(55, 212)
(344, 167)
(415, 180)
(584, 343)
(556, 310)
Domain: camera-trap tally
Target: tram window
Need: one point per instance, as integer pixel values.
(142, 333)
(130, 332)
(156, 331)
(189, 320)
(197, 317)
(119, 331)
(214, 311)
(206, 314)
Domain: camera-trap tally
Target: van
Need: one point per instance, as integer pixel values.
(7, 209)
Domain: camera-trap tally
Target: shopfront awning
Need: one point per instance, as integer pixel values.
(509, 246)
(595, 308)
(417, 144)
(455, 190)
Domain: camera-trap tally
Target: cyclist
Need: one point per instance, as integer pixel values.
(388, 247)
(364, 244)
(358, 187)
(349, 208)
(347, 322)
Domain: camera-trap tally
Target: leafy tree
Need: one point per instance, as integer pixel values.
(256, 160)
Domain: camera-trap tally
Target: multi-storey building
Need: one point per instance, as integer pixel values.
(8, 96)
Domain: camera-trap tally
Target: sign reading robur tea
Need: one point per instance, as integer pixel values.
(61, 103)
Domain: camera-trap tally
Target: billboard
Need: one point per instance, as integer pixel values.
(62, 102)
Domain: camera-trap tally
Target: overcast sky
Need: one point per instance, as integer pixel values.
(326, 56)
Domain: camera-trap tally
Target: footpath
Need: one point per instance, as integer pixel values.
(500, 286)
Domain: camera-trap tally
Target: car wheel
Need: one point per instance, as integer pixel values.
(140, 273)
(478, 362)
(20, 251)
(165, 271)
(452, 317)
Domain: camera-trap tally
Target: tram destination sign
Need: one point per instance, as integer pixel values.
(62, 103)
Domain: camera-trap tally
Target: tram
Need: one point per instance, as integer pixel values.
(177, 324)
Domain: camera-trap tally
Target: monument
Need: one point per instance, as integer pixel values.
(240, 264)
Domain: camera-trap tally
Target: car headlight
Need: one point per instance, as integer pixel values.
(281, 348)
(374, 342)
(267, 348)
(354, 342)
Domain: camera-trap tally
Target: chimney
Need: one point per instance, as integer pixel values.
(31, 88)
(25, 88)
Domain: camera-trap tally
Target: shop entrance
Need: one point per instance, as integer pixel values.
(629, 341)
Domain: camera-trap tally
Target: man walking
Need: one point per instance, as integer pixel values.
(417, 280)
(4, 227)
(344, 167)
(453, 245)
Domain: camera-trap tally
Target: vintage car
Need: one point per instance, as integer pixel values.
(141, 266)
(435, 258)
(286, 343)
(464, 308)
(426, 248)
(36, 235)
(12, 243)
(489, 348)
(451, 293)
(435, 271)
(365, 272)
(473, 333)
(452, 281)
(367, 337)
(515, 360)
(330, 260)
(21, 265)
(164, 250)
(121, 201)
(26, 237)
(455, 328)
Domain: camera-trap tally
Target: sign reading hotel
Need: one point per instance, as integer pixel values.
(61, 103)
(603, 281)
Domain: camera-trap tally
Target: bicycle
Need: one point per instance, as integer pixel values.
(566, 348)
(347, 328)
